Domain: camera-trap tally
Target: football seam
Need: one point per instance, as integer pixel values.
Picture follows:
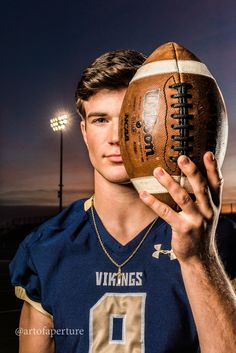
(176, 60)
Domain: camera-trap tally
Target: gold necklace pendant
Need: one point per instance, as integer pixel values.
(119, 273)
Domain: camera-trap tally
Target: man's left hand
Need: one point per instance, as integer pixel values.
(194, 226)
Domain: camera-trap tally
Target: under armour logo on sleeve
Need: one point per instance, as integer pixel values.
(158, 251)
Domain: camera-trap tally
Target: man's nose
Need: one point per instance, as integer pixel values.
(114, 132)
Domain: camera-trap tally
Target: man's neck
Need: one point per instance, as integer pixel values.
(122, 212)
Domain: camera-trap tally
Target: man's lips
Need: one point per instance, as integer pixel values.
(114, 158)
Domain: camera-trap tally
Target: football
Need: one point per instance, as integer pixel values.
(173, 106)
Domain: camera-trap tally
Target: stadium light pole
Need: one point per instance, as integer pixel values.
(58, 124)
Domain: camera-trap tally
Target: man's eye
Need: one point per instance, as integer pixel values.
(100, 121)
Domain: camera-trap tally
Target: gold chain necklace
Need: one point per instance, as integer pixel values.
(119, 266)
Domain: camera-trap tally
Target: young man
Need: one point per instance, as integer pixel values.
(122, 272)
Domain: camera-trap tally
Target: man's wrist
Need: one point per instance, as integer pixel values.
(206, 260)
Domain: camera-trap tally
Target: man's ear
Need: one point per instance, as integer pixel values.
(84, 132)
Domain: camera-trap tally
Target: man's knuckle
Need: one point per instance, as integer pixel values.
(210, 215)
(165, 211)
(220, 182)
(202, 189)
(170, 185)
(193, 171)
(184, 199)
(173, 188)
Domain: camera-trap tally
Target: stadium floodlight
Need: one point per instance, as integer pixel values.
(59, 124)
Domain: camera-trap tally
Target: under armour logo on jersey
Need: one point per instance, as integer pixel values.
(158, 251)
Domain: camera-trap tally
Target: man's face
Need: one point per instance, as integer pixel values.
(100, 132)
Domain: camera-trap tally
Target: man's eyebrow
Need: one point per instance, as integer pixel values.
(96, 114)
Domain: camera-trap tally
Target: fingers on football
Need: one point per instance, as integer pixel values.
(160, 208)
(177, 192)
(214, 176)
(198, 184)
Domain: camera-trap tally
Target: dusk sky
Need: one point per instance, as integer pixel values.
(44, 48)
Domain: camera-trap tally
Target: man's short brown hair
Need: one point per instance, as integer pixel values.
(112, 70)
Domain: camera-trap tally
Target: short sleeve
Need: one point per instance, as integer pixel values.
(24, 277)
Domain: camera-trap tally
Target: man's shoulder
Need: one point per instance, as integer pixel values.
(70, 220)
(52, 241)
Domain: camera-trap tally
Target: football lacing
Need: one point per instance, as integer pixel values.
(183, 115)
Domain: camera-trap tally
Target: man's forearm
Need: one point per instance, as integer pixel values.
(213, 303)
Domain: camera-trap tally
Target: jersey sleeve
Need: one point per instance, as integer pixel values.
(33, 270)
(24, 277)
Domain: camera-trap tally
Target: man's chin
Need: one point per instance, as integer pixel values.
(121, 181)
(116, 178)
(125, 182)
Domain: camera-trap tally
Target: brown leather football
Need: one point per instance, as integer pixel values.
(173, 106)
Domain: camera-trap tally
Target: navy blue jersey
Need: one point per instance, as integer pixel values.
(62, 267)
